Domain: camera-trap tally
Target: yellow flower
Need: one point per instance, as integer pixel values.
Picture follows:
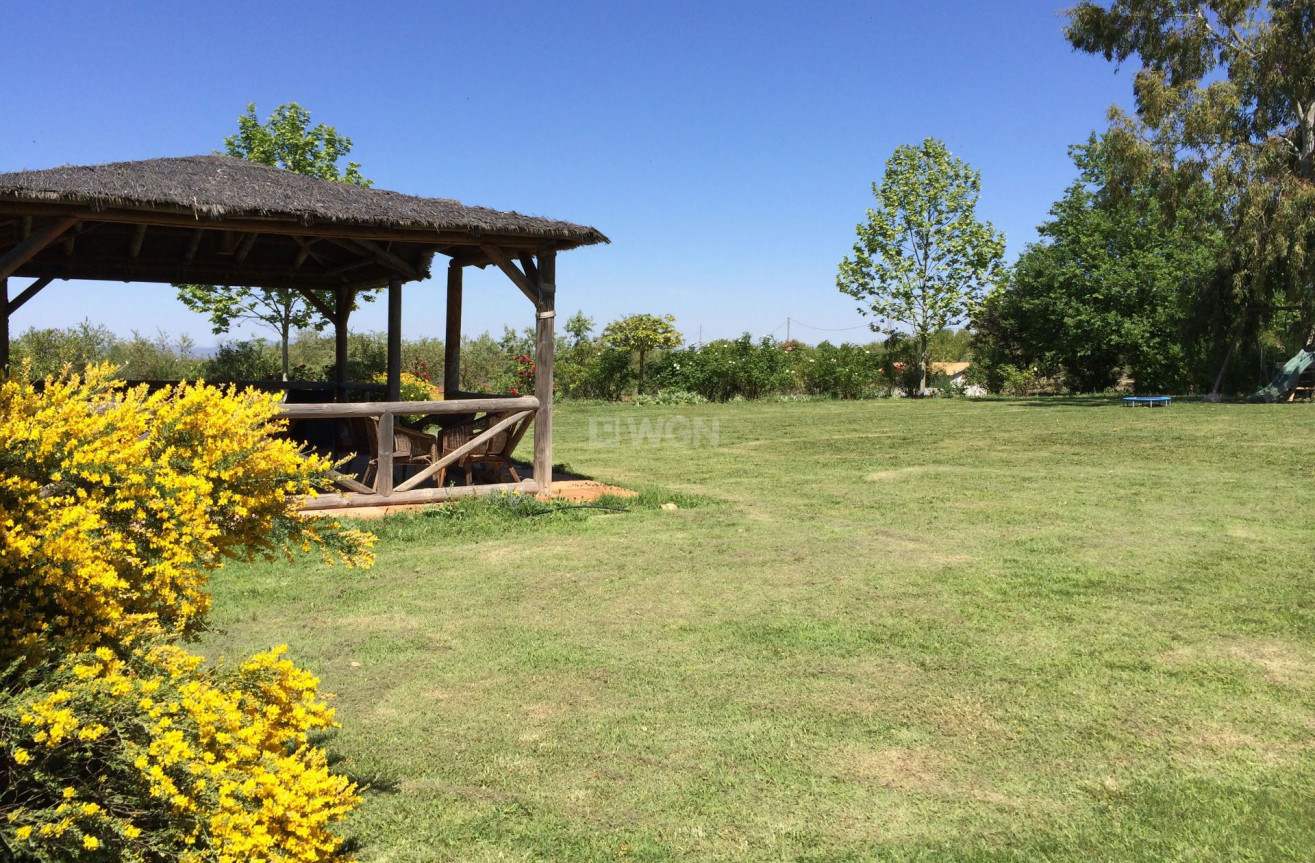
(91, 843)
(22, 756)
(23, 832)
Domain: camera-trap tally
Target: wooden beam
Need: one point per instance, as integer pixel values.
(452, 338)
(305, 252)
(383, 475)
(28, 293)
(527, 264)
(35, 242)
(469, 446)
(343, 310)
(172, 271)
(380, 255)
(416, 496)
(319, 305)
(4, 327)
(544, 337)
(347, 268)
(498, 404)
(394, 372)
(349, 483)
(499, 257)
(244, 248)
(192, 245)
(163, 217)
(138, 237)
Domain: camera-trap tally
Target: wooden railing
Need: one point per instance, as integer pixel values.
(383, 492)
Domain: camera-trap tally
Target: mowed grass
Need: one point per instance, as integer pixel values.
(891, 630)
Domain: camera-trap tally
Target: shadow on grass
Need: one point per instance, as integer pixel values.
(1074, 402)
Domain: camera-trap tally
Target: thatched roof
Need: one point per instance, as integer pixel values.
(220, 187)
(222, 220)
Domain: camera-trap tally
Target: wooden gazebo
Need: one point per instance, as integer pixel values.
(225, 221)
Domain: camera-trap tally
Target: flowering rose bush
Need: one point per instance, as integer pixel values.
(115, 743)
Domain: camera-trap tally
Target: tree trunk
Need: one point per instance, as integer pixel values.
(640, 387)
(922, 361)
(284, 346)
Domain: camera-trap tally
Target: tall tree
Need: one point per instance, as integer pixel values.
(285, 140)
(641, 334)
(922, 258)
(580, 326)
(1226, 92)
(1114, 285)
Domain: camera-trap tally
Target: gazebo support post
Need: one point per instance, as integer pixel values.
(544, 336)
(452, 339)
(4, 326)
(394, 340)
(342, 310)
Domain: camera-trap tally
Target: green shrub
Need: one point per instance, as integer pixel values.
(47, 351)
(251, 360)
(844, 372)
(722, 370)
(609, 375)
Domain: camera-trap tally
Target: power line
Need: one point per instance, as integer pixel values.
(825, 329)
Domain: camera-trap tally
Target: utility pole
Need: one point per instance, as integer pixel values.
(787, 331)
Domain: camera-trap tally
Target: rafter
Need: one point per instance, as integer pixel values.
(519, 279)
(320, 306)
(28, 293)
(244, 248)
(380, 255)
(35, 242)
(138, 237)
(192, 245)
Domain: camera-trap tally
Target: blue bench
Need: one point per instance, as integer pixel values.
(1147, 401)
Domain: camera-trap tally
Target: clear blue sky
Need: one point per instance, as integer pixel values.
(728, 149)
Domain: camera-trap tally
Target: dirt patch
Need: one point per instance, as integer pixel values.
(1282, 664)
(587, 490)
(389, 621)
(896, 767)
(912, 471)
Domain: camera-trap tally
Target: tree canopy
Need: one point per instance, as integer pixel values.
(922, 258)
(285, 140)
(641, 334)
(1225, 93)
(1116, 284)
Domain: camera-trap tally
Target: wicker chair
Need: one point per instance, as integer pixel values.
(411, 448)
(494, 453)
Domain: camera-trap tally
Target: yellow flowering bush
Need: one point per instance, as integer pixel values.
(414, 388)
(153, 758)
(115, 742)
(116, 503)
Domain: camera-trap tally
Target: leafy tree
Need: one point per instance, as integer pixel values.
(580, 327)
(1226, 93)
(922, 258)
(641, 334)
(285, 140)
(1113, 285)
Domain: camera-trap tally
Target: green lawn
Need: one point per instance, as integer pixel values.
(889, 630)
